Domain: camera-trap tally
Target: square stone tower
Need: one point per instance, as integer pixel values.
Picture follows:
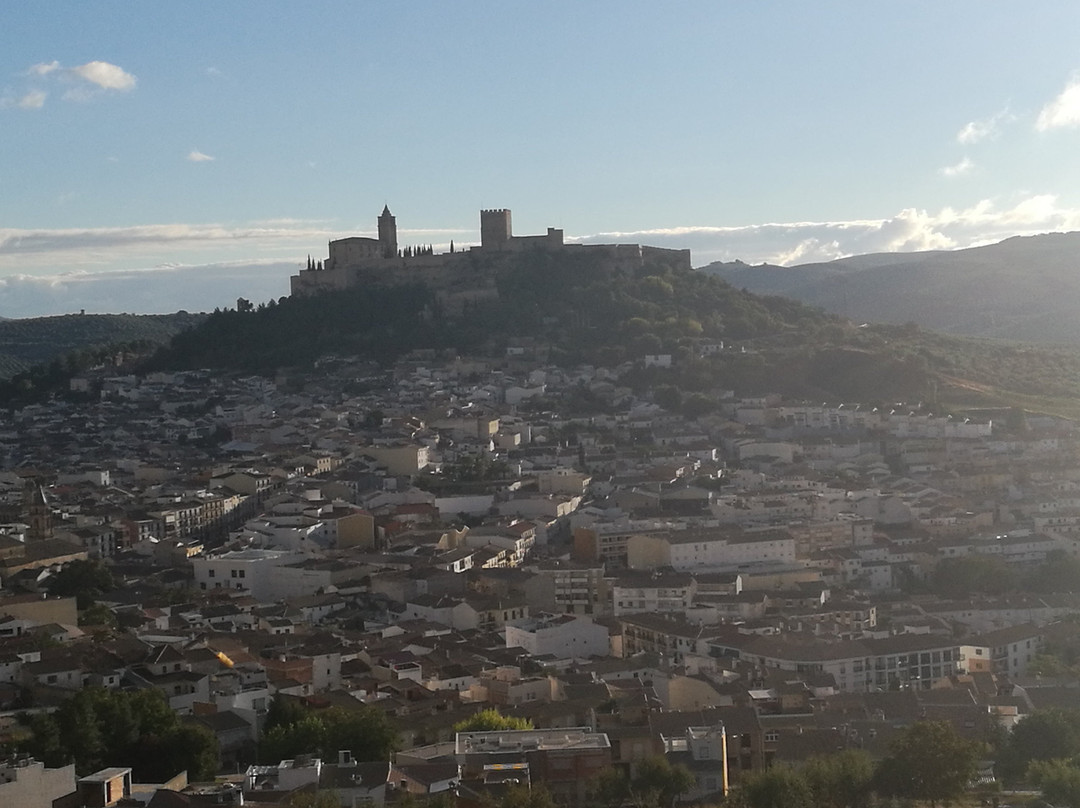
(495, 230)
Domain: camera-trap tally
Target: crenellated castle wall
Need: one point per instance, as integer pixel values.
(469, 275)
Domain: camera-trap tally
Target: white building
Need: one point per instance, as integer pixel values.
(698, 551)
(253, 570)
(563, 636)
(28, 784)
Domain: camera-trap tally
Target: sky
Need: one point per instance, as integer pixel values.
(166, 156)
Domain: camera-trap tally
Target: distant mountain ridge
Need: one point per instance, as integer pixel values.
(1023, 288)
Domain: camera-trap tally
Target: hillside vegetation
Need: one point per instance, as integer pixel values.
(574, 313)
(573, 310)
(569, 312)
(37, 340)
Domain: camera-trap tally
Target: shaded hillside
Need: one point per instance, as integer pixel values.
(1024, 288)
(572, 309)
(28, 342)
(570, 312)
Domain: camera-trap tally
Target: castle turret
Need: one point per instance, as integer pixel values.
(495, 230)
(388, 233)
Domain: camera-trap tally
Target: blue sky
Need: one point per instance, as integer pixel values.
(177, 155)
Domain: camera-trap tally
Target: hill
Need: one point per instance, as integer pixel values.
(568, 307)
(28, 342)
(1023, 288)
(565, 311)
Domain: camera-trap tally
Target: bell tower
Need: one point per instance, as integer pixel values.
(388, 233)
(39, 512)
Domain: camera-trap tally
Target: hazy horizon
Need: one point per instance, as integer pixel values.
(204, 155)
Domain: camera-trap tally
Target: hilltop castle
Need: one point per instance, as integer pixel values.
(460, 275)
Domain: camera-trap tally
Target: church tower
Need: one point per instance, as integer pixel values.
(388, 233)
(39, 513)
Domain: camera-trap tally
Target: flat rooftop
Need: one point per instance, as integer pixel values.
(529, 740)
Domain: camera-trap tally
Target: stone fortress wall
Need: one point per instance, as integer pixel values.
(462, 275)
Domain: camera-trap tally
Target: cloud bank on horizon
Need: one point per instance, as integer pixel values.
(155, 173)
(72, 265)
(789, 243)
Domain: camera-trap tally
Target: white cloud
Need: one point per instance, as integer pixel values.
(1063, 111)
(43, 68)
(909, 230)
(35, 99)
(86, 81)
(974, 131)
(196, 156)
(960, 169)
(200, 266)
(77, 248)
(17, 245)
(105, 75)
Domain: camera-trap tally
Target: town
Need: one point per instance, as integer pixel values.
(531, 574)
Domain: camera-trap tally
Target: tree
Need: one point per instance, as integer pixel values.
(306, 736)
(842, 780)
(491, 720)
(84, 580)
(697, 404)
(927, 761)
(656, 784)
(611, 788)
(1044, 735)
(659, 782)
(366, 732)
(777, 787)
(669, 397)
(97, 614)
(959, 577)
(97, 728)
(45, 743)
(527, 797)
(186, 747)
(1060, 572)
(284, 710)
(314, 799)
(1059, 781)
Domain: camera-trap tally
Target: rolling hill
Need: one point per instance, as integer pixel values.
(1023, 288)
(571, 313)
(565, 310)
(25, 343)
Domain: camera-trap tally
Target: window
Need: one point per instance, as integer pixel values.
(772, 736)
(211, 573)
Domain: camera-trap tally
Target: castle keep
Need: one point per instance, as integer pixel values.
(457, 276)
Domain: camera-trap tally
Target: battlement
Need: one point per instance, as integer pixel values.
(495, 228)
(356, 261)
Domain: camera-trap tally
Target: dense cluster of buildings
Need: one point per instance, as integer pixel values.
(729, 591)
